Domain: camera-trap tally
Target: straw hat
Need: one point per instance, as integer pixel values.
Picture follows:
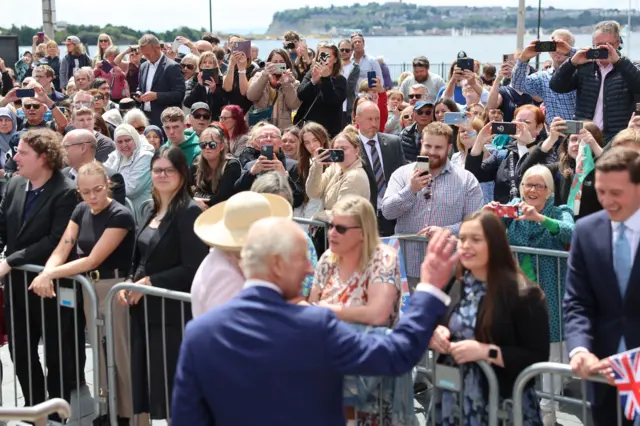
(226, 224)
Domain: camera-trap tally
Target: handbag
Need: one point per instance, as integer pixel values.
(300, 124)
(256, 115)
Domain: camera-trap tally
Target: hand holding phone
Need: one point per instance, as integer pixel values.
(267, 151)
(599, 53)
(334, 155)
(546, 46)
(455, 118)
(371, 79)
(25, 93)
(502, 128)
(106, 66)
(503, 210)
(465, 64)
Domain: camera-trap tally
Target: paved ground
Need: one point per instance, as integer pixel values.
(12, 396)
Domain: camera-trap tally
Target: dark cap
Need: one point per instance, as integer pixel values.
(421, 61)
(200, 105)
(418, 106)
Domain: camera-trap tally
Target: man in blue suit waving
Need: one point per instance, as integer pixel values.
(603, 278)
(289, 360)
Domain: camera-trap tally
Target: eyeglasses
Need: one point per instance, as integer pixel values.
(424, 112)
(415, 96)
(536, 186)
(210, 145)
(168, 171)
(225, 118)
(267, 137)
(30, 106)
(99, 97)
(67, 145)
(79, 105)
(341, 229)
(96, 191)
(201, 116)
(188, 66)
(345, 50)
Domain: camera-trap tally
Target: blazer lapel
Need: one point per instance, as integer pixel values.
(19, 200)
(157, 236)
(159, 70)
(44, 196)
(386, 156)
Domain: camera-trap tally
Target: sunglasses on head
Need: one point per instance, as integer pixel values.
(341, 229)
(424, 112)
(188, 66)
(31, 106)
(201, 116)
(415, 96)
(210, 145)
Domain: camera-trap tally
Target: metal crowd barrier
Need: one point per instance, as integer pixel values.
(554, 368)
(62, 302)
(37, 413)
(163, 294)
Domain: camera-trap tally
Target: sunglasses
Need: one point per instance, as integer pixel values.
(103, 41)
(188, 66)
(79, 105)
(210, 145)
(201, 116)
(345, 50)
(341, 229)
(31, 106)
(140, 129)
(427, 192)
(424, 112)
(415, 96)
(406, 116)
(99, 98)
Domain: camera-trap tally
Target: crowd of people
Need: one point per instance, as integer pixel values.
(183, 172)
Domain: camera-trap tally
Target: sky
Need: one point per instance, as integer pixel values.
(228, 15)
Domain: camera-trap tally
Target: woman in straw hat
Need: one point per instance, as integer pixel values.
(224, 227)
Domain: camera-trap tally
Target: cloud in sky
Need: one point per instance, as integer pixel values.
(227, 15)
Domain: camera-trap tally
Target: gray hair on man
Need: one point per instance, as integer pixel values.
(419, 86)
(149, 39)
(608, 27)
(273, 183)
(564, 34)
(262, 243)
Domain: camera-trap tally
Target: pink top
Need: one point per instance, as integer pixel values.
(598, 115)
(217, 281)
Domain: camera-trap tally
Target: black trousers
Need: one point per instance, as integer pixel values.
(604, 411)
(30, 318)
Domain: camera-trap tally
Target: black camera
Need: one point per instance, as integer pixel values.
(290, 45)
(600, 53)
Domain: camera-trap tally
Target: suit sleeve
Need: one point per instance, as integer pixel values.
(175, 81)
(191, 250)
(188, 403)
(351, 352)
(63, 206)
(579, 302)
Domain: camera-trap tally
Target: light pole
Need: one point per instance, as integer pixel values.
(521, 19)
(210, 16)
(538, 38)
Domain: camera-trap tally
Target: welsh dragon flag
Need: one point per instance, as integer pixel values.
(584, 166)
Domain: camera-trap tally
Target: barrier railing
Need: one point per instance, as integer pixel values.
(22, 339)
(163, 294)
(37, 413)
(552, 368)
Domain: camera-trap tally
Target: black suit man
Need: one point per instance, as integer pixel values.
(382, 155)
(33, 216)
(161, 81)
(603, 278)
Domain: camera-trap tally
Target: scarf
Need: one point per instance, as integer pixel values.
(584, 165)
(6, 137)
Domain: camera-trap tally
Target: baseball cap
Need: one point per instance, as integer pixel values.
(421, 104)
(200, 105)
(421, 61)
(72, 40)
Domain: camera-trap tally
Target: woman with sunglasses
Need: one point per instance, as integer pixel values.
(104, 42)
(207, 88)
(136, 119)
(167, 255)
(495, 315)
(215, 171)
(102, 233)
(273, 91)
(323, 91)
(99, 101)
(358, 277)
(131, 159)
(350, 71)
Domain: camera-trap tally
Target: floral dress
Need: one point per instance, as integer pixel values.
(462, 324)
(384, 267)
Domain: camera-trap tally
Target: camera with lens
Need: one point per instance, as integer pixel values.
(290, 45)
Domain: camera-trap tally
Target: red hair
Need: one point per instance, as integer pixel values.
(537, 112)
(237, 114)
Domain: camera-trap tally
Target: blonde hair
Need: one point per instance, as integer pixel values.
(351, 134)
(362, 211)
(205, 55)
(627, 136)
(477, 125)
(540, 171)
(93, 168)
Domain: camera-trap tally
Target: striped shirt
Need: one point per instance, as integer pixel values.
(455, 193)
(537, 84)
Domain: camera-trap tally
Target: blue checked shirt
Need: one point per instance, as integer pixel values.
(455, 193)
(537, 84)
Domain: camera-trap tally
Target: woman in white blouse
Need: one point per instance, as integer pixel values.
(338, 179)
(132, 159)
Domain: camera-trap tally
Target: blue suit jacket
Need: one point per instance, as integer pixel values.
(258, 359)
(596, 314)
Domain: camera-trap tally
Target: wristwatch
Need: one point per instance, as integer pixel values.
(493, 353)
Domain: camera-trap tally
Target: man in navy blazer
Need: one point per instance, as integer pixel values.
(289, 360)
(602, 297)
(161, 81)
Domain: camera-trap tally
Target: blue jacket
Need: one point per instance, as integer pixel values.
(288, 360)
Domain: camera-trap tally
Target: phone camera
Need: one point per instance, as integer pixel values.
(500, 128)
(596, 54)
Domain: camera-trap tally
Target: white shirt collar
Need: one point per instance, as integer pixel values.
(522, 150)
(365, 140)
(262, 283)
(157, 62)
(633, 223)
